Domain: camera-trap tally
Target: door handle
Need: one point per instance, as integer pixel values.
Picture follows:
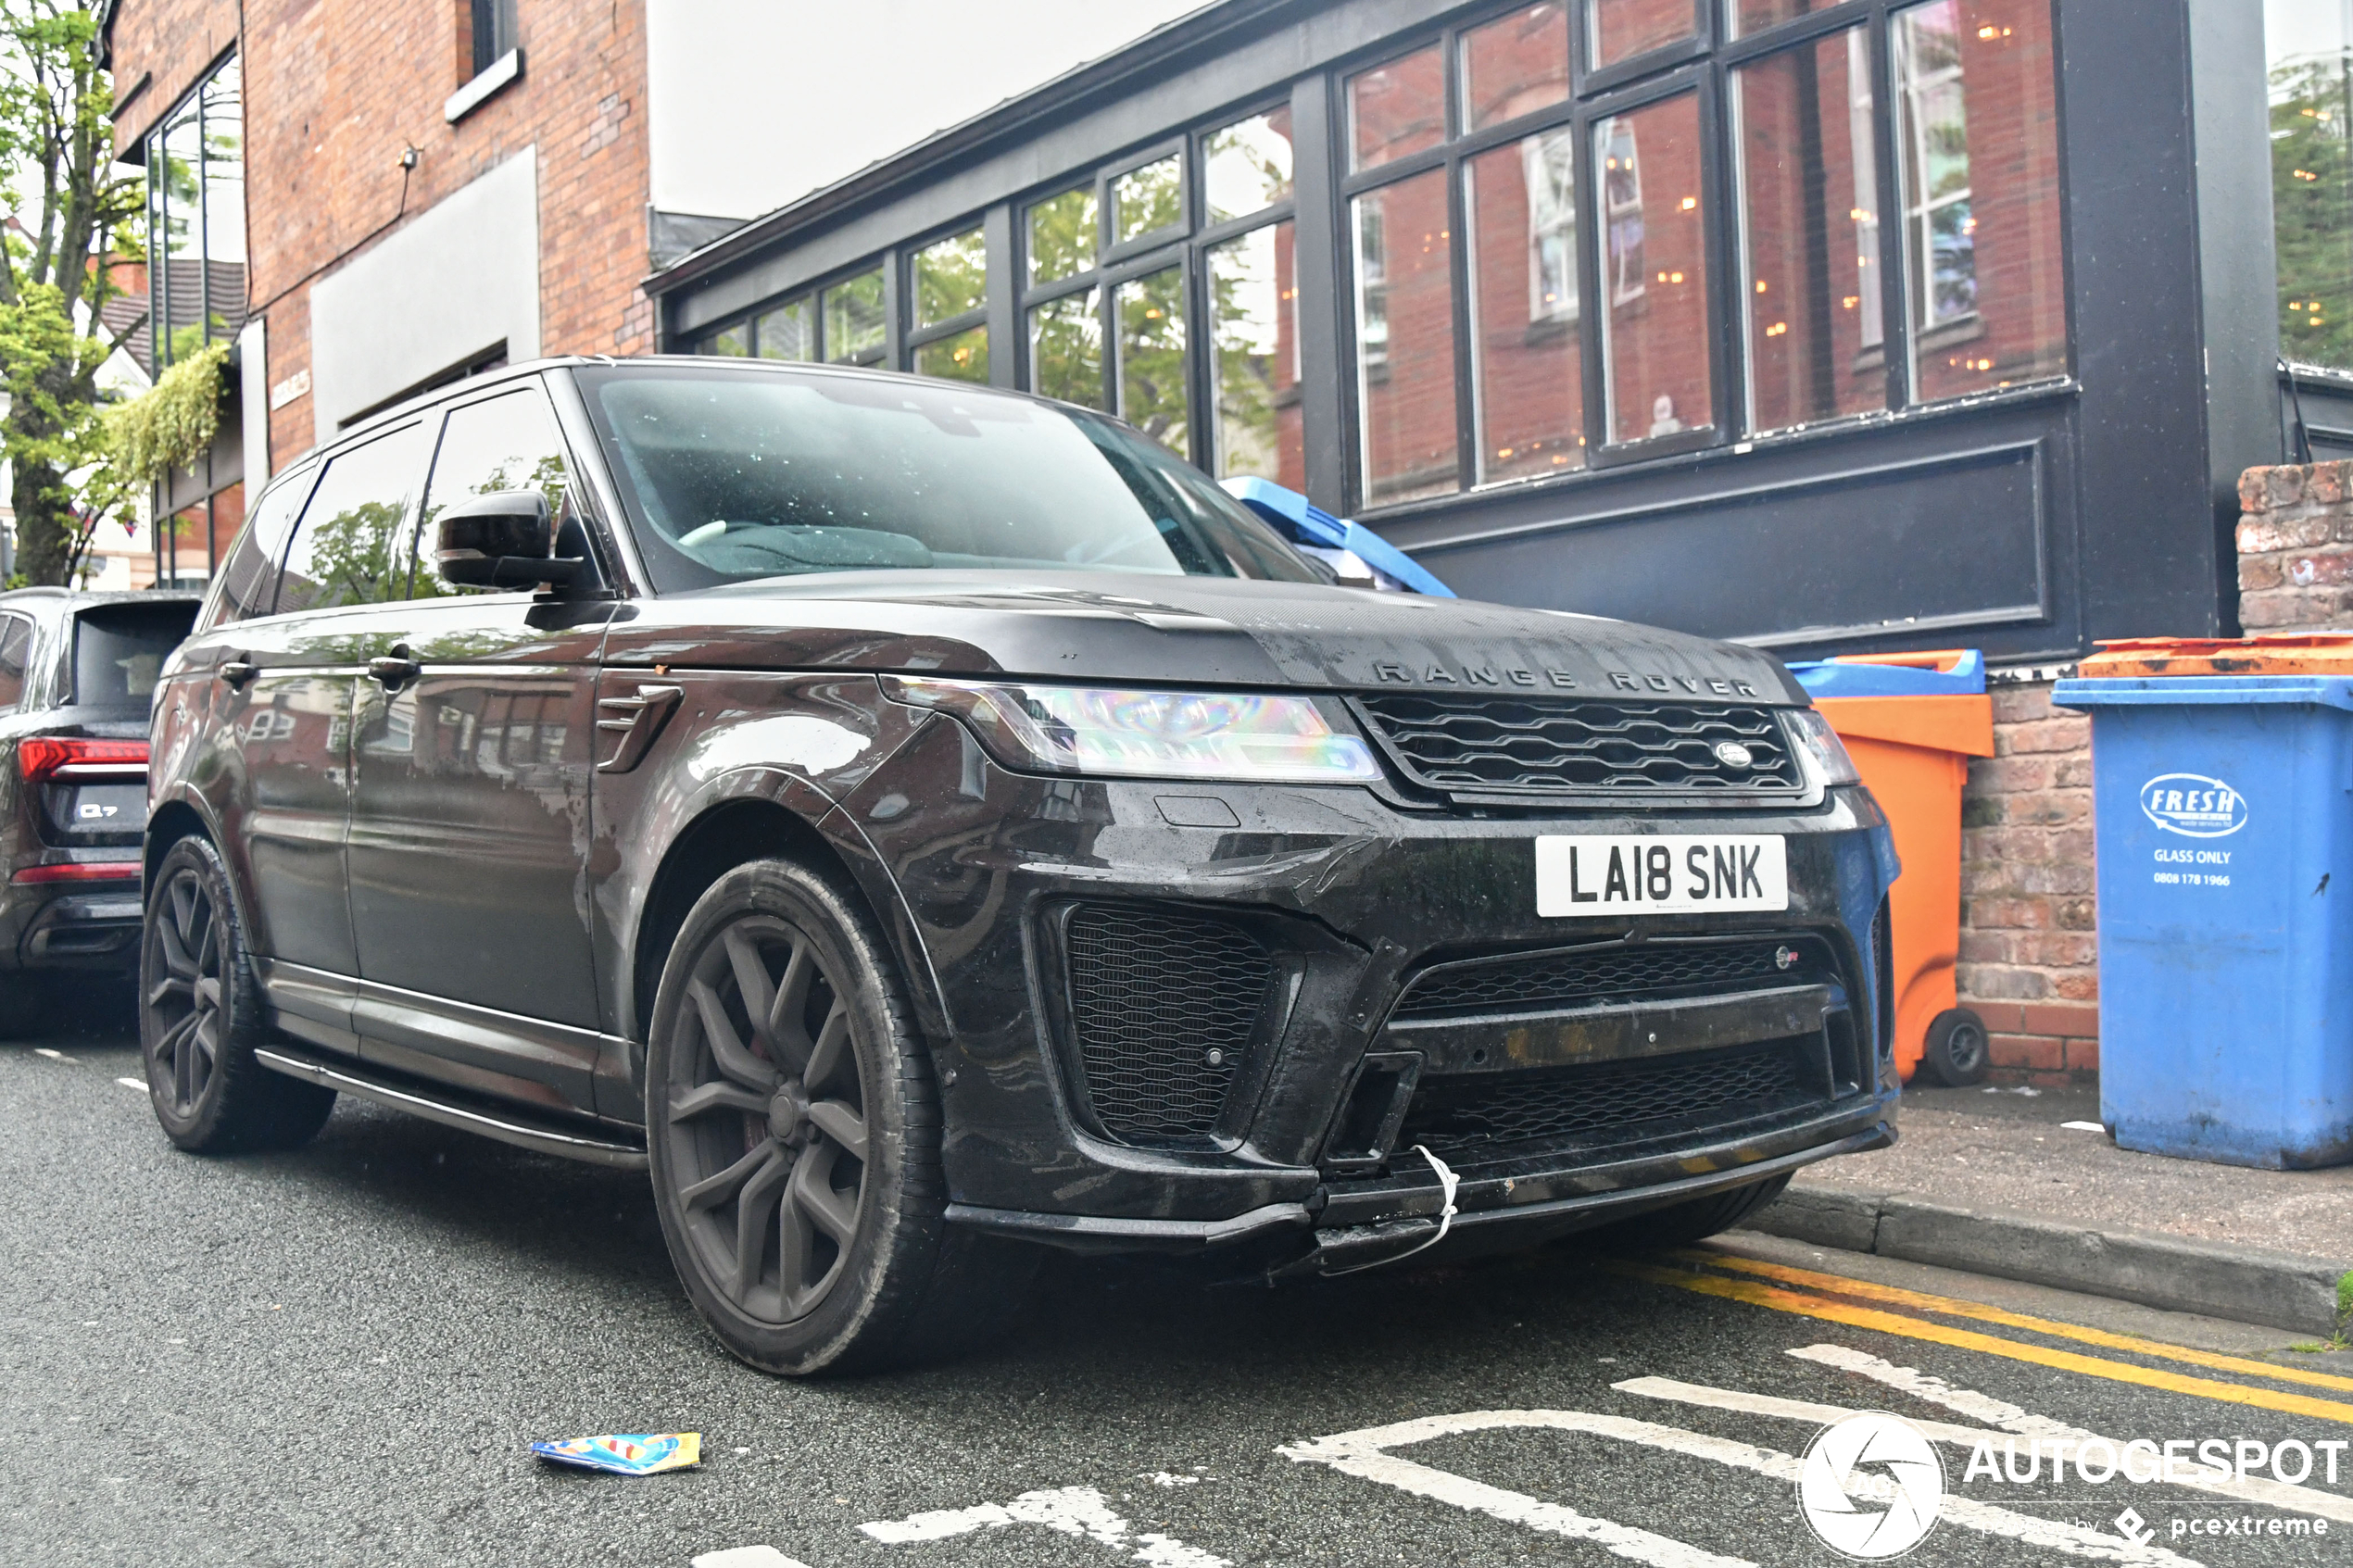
(236, 672)
(396, 669)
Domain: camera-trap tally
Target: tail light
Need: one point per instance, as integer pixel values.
(67, 759)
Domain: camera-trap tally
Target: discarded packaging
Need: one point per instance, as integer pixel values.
(634, 1453)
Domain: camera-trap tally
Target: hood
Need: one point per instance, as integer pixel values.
(1181, 631)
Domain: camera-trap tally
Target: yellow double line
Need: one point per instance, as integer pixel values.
(1818, 1296)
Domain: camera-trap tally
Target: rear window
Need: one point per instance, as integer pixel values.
(118, 650)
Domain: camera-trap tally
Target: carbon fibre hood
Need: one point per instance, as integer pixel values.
(1179, 631)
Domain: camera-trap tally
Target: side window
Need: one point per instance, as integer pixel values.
(343, 551)
(249, 574)
(16, 649)
(504, 443)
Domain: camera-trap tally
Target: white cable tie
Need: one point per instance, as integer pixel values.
(1448, 1182)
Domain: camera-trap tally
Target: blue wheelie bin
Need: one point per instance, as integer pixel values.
(2225, 828)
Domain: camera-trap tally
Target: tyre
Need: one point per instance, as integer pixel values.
(27, 1006)
(200, 1017)
(1679, 1224)
(1957, 1054)
(794, 1131)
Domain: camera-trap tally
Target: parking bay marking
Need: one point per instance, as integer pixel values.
(1953, 1307)
(1069, 1511)
(137, 1084)
(1779, 1300)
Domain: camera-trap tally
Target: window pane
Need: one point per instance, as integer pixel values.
(951, 278)
(1528, 360)
(853, 313)
(1655, 369)
(1151, 356)
(505, 443)
(962, 357)
(1147, 200)
(2311, 62)
(1396, 110)
(1247, 166)
(789, 331)
(1405, 340)
(1253, 327)
(732, 343)
(15, 657)
(1809, 192)
(1061, 236)
(225, 202)
(180, 315)
(1066, 350)
(1516, 65)
(343, 549)
(1619, 30)
(251, 565)
(1756, 16)
(1979, 153)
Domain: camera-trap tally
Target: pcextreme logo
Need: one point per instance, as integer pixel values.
(2194, 805)
(1869, 1487)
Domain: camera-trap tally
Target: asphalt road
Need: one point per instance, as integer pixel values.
(338, 1356)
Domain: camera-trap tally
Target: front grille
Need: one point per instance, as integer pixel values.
(1622, 1099)
(1621, 972)
(1162, 1005)
(1530, 745)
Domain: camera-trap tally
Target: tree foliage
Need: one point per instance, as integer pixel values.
(73, 215)
(170, 425)
(2312, 211)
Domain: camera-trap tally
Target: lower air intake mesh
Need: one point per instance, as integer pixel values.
(1608, 1100)
(1162, 1005)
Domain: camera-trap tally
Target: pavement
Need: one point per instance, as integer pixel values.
(337, 1355)
(1998, 1180)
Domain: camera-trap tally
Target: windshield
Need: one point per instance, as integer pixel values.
(735, 475)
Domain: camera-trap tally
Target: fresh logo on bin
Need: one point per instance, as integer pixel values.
(2194, 805)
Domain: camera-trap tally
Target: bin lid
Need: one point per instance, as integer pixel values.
(2277, 653)
(1950, 672)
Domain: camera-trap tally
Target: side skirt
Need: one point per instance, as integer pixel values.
(545, 1136)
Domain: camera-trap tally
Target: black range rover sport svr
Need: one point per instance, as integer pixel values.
(920, 822)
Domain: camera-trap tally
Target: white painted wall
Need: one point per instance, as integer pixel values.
(756, 103)
(462, 278)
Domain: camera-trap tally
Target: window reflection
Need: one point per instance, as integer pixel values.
(1405, 340)
(963, 357)
(854, 316)
(1061, 236)
(1246, 166)
(196, 221)
(1756, 16)
(1810, 232)
(1146, 200)
(732, 342)
(1151, 356)
(1979, 157)
(1516, 65)
(1253, 297)
(1528, 364)
(1066, 349)
(2312, 76)
(789, 331)
(951, 278)
(1656, 377)
(1619, 30)
(1396, 110)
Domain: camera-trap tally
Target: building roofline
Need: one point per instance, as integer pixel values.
(1196, 31)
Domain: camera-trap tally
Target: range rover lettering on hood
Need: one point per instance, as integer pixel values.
(1512, 675)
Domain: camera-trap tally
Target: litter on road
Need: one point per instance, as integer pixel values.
(635, 1453)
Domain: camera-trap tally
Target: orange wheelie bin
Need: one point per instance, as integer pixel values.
(1912, 720)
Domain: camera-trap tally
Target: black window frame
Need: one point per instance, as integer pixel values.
(916, 335)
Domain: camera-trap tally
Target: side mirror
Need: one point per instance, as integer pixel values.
(503, 540)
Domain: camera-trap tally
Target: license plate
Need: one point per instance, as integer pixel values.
(1662, 874)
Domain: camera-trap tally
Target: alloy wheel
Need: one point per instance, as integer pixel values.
(184, 1001)
(766, 1118)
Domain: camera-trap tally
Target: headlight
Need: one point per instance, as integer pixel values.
(1820, 745)
(1128, 733)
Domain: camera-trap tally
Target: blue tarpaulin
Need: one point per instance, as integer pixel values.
(1310, 524)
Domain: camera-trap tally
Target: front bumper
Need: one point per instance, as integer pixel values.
(1353, 896)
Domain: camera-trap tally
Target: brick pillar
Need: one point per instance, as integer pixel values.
(2296, 547)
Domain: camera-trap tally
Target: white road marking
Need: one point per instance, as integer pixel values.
(1070, 1510)
(1163, 1478)
(2063, 1440)
(2083, 1127)
(52, 1056)
(138, 1083)
(1364, 1453)
(748, 1557)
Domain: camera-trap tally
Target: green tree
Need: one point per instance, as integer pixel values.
(73, 217)
(2312, 211)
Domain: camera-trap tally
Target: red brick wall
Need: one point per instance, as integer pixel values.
(323, 185)
(172, 42)
(2296, 547)
(2030, 949)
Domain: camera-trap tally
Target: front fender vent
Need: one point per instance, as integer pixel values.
(1163, 1005)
